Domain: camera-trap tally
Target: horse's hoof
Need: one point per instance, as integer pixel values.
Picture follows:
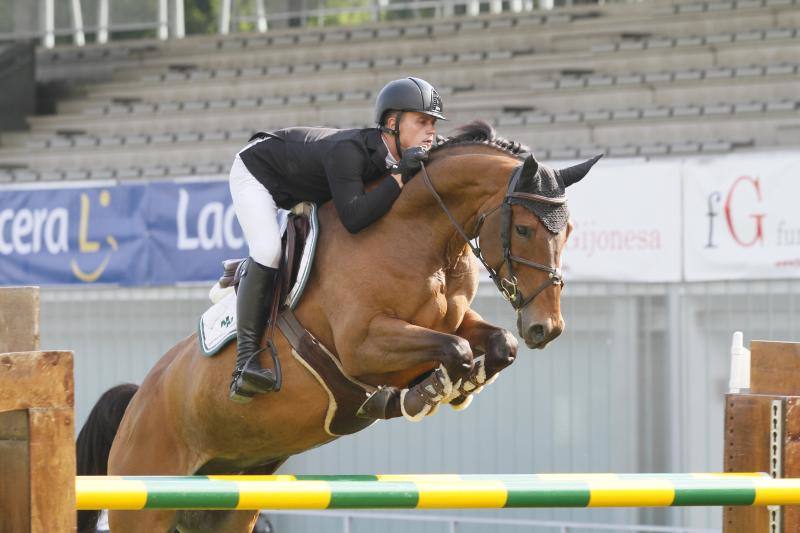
(461, 403)
(377, 406)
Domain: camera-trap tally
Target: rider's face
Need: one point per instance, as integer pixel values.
(417, 129)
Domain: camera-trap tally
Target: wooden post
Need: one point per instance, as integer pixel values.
(37, 427)
(19, 319)
(762, 433)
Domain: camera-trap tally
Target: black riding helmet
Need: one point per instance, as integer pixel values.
(407, 94)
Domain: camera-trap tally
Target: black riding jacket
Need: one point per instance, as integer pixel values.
(317, 164)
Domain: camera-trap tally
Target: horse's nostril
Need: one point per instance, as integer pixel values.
(537, 333)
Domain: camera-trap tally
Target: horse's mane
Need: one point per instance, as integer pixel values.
(479, 132)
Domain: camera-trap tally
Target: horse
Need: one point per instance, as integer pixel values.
(391, 302)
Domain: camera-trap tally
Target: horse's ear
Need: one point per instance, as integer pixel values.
(575, 173)
(527, 178)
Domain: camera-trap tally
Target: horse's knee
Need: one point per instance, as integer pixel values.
(457, 357)
(501, 351)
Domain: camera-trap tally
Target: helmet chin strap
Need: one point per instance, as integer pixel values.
(396, 133)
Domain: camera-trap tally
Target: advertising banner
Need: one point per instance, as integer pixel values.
(716, 218)
(626, 219)
(742, 217)
(145, 233)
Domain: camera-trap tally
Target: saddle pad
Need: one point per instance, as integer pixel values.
(218, 325)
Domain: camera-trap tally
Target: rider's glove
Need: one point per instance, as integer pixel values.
(411, 162)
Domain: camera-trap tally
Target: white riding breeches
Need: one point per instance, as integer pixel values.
(257, 214)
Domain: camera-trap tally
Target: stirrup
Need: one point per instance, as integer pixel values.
(242, 390)
(237, 394)
(247, 383)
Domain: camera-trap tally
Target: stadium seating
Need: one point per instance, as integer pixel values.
(646, 79)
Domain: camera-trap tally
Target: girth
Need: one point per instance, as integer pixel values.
(345, 394)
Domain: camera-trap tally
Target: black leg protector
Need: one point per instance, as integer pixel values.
(252, 312)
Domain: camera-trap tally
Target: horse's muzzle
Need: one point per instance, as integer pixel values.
(540, 333)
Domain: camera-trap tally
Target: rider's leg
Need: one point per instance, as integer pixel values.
(257, 214)
(252, 312)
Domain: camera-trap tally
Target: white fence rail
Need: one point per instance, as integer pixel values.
(46, 20)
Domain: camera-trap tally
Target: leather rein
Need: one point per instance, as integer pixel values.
(508, 286)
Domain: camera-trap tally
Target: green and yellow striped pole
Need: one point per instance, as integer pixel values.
(433, 491)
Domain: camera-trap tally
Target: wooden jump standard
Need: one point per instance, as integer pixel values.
(37, 428)
(762, 433)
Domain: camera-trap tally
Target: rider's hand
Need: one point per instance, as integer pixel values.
(411, 162)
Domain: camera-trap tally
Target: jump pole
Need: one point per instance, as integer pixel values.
(434, 491)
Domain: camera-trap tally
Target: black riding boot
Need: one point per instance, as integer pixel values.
(252, 312)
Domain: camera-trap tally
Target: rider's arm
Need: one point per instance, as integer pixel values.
(345, 167)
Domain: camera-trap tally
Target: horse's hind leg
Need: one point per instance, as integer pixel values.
(223, 521)
(216, 521)
(146, 521)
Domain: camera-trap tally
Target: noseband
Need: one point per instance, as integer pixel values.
(508, 286)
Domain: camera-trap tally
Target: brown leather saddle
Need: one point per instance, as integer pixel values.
(345, 393)
(298, 228)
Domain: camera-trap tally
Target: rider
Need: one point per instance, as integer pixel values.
(284, 167)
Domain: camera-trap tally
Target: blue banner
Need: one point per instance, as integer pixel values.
(149, 233)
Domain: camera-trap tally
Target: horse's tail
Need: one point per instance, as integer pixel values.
(95, 438)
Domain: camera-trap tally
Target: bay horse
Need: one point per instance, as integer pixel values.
(391, 302)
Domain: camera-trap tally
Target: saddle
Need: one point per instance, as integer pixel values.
(300, 229)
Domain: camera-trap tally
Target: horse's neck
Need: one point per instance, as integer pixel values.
(469, 185)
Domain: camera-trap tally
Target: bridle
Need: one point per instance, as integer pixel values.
(508, 286)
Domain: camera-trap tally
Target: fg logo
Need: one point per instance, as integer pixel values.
(744, 224)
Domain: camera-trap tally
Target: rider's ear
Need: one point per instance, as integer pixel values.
(527, 176)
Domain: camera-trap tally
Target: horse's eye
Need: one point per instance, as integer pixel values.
(524, 231)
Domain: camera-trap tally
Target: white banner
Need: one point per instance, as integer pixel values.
(742, 217)
(626, 216)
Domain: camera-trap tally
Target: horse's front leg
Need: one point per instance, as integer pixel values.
(499, 349)
(393, 346)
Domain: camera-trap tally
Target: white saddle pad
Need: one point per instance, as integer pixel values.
(218, 325)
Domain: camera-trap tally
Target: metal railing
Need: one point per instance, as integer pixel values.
(452, 522)
(47, 31)
(169, 16)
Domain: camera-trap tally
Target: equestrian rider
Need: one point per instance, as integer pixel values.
(284, 167)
